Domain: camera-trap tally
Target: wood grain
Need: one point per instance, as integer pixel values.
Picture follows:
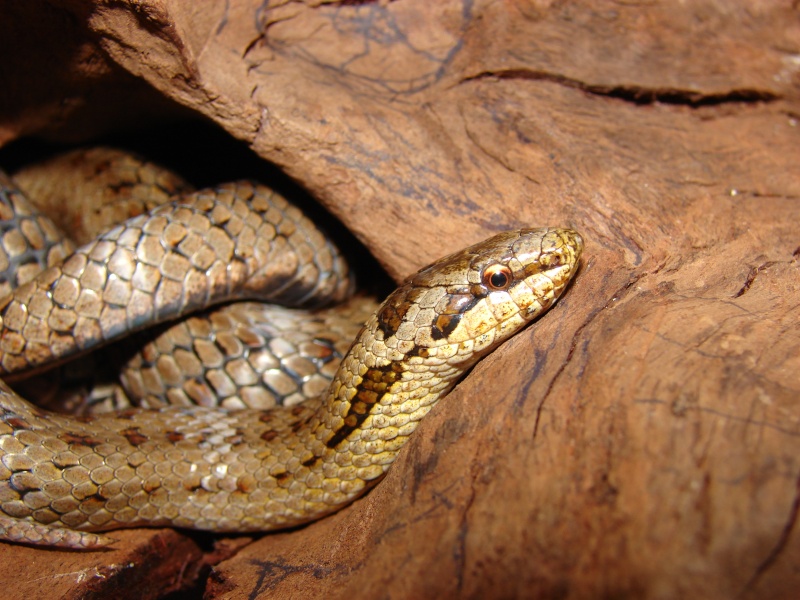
(642, 439)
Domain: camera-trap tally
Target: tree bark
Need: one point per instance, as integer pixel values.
(643, 438)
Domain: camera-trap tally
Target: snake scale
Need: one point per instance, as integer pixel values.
(65, 478)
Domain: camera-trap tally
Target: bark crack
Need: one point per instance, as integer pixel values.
(492, 156)
(616, 297)
(783, 539)
(460, 551)
(752, 275)
(634, 93)
(572, 347)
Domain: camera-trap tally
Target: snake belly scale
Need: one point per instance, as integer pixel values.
(63, 478)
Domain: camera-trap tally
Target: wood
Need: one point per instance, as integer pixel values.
(642, 439)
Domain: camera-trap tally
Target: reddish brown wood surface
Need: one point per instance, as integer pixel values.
(642, 439)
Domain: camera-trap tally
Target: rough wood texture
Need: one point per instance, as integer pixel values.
(642, 440)
(144, 565)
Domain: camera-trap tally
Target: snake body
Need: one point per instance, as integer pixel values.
(65, 478)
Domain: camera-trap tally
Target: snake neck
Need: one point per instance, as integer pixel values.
(385, 385)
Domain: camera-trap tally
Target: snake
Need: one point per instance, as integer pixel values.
(67, 480)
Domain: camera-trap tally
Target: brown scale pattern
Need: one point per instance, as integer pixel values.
(207, 247)
(90, 190)
(62, 478)
(245, 355)
(29, 241)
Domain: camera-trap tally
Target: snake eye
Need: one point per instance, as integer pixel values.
(497, 277)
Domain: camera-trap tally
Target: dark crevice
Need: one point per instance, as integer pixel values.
(783, 539)
(633, 93)
(751, 277)
(577, 335)
(568, 359)
(764, 195)
(460, 552)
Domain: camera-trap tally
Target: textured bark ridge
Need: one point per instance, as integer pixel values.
(642, 439)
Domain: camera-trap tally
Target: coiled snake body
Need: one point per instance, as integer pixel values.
(62, 478)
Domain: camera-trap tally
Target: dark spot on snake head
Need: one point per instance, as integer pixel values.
(281, 476)
(444, 325)
(478, 291)
(389, 319)
(458, 302)
(395, 308)
(420, 351)
(266, 417)
(450, 309)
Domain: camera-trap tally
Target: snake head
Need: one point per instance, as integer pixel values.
(465, 304)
